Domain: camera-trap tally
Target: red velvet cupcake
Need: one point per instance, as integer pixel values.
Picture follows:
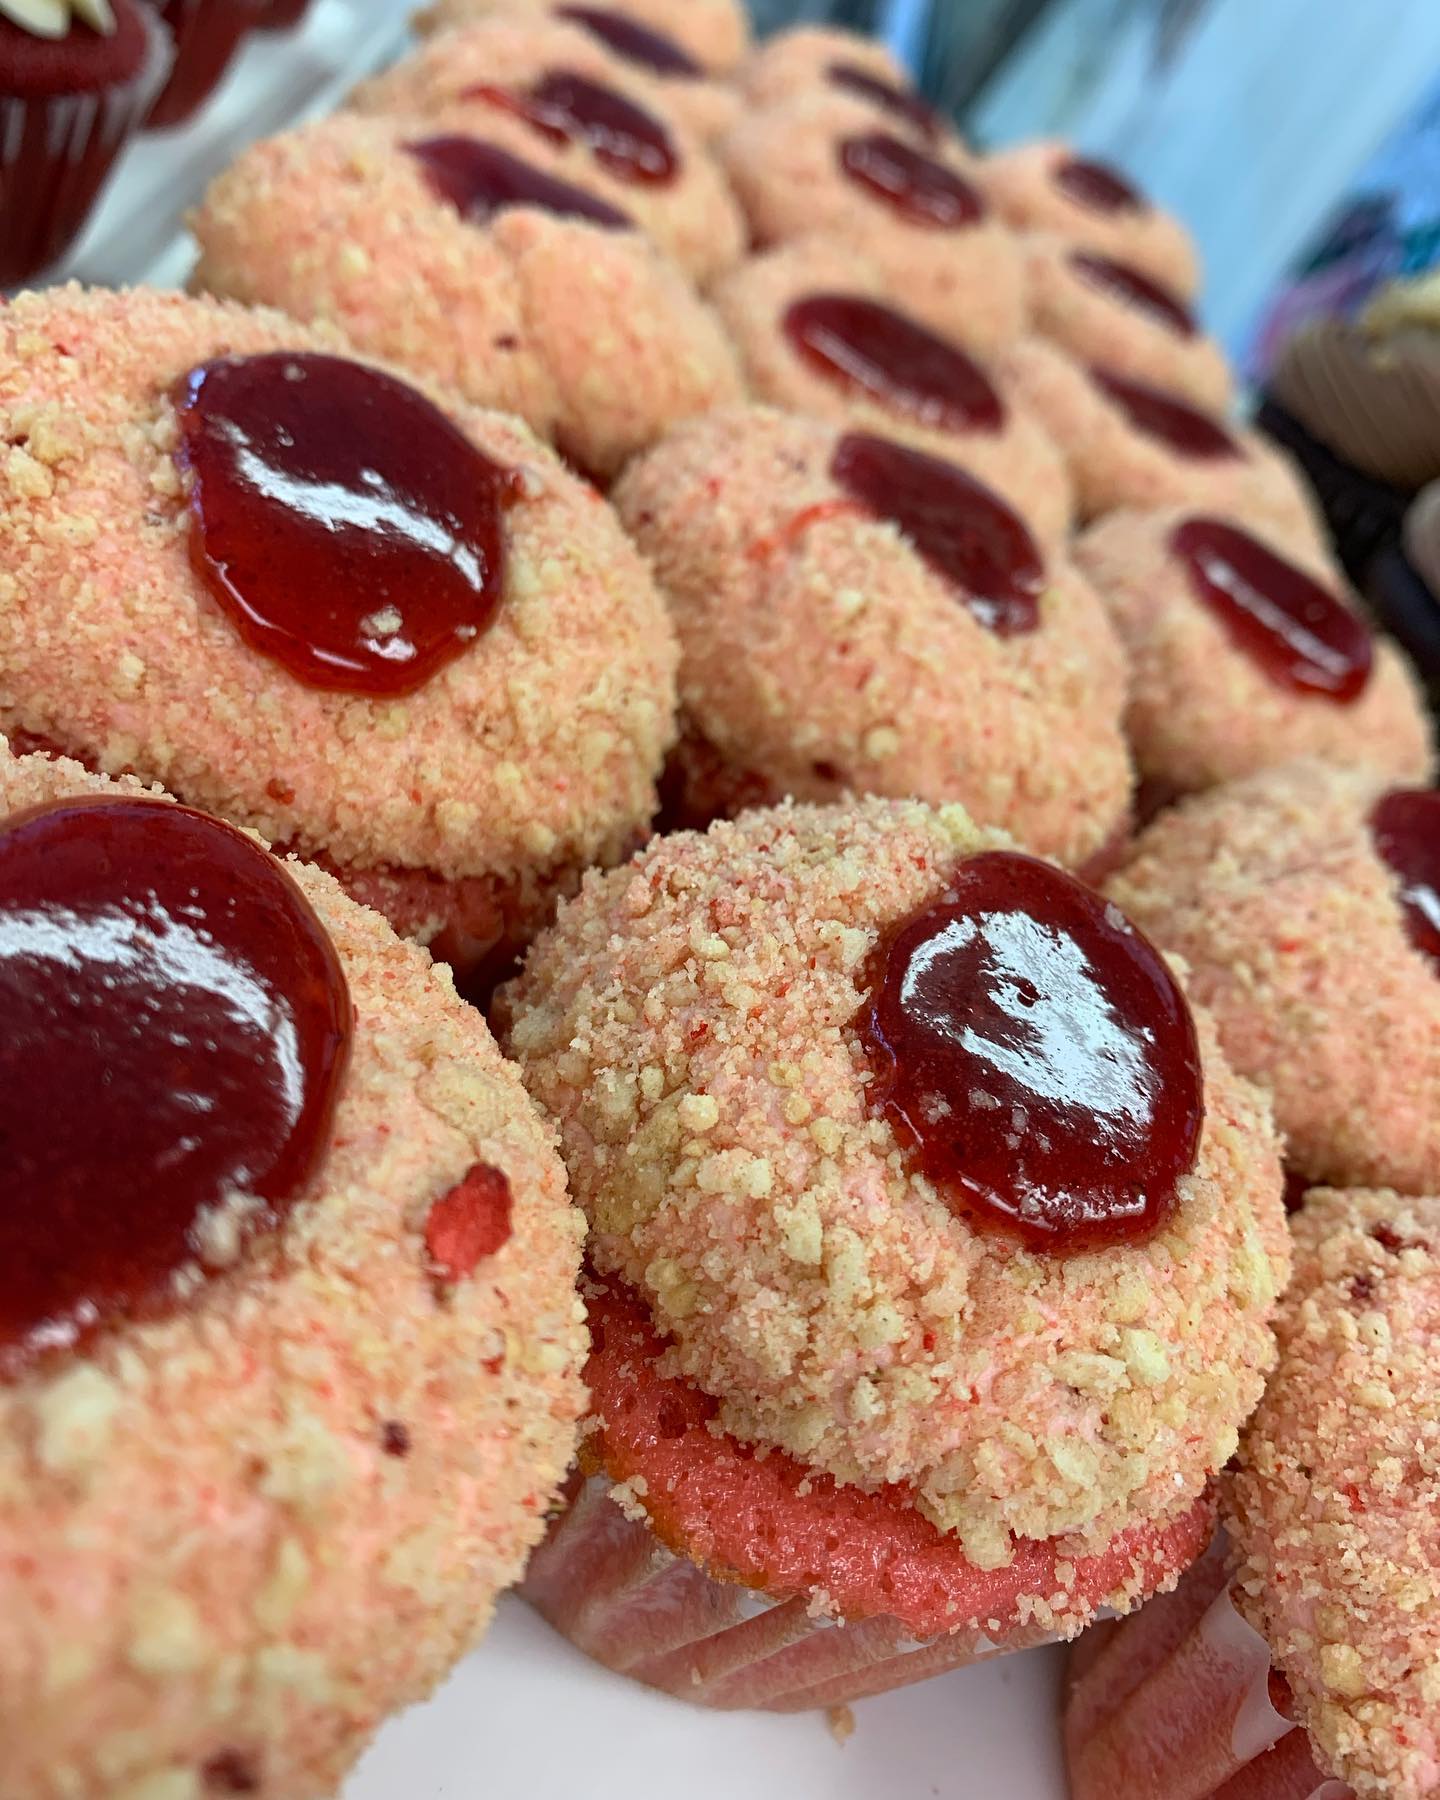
(207, 34)
(936, 1246)
(75, 79)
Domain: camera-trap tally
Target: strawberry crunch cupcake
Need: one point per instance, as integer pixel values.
(1306, 904)
(1127, 443)
(820, 162)
(856, 615)
(473, 266)
(678, 51)
(1315, 1673)
(934, 1250)
(1049, 187)
(1108, 313)
(549, 93)
(286, 1389)
(396, 636)
(819, 333)
(1245, 653)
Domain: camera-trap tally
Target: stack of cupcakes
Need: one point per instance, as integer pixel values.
(602, 424)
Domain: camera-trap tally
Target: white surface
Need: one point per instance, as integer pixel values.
(528, 1718)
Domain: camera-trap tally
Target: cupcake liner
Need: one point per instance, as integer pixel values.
(56, 154)
(1363, 515)
(1181, 1702)
(207, 34)
(606, 1583)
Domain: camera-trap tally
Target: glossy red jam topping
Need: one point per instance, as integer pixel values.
(176, 1029)
(1298, 632)
(479, 179)
(1406, 829)
(469, 1223)
(967, 533)
(1098, 186)
(568, 109)
(902, 103)
(634, 42)
(1135, 290)
(919, 189)
(1174, 423)
(347, 528)
(1037, 1057)
(874, 350)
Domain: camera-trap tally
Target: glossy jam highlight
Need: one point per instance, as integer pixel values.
(1406, 830)
(348, 530)
(1136, 291)
(1034, 1054)
(1300, 634)
(964, 530)
(915, 187)
(177, 1026)
(871, 349)
(480, 179)
(568, 108)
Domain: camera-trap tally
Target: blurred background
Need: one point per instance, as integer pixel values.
(1284, 132)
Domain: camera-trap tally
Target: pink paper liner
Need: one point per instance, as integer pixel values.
(207, 34)
(608, 1585)
(1176, 1703)
(56, 154)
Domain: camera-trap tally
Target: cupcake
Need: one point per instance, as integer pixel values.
(818, 333)
(389, 632)
(1106, 312)
(681, 50)
(476, 268)
(285, 1390)
(1127, 443)
(1048, 187)
(817, 59)
(820, 162)
(207, 34)
(1306, 903)
(1402, 584)
(77, 80)
(1312, 1673)
(869, 1404)
(856, 615)
(1246, 651)
(549, 93)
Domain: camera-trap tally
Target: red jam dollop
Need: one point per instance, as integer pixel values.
(872, 349)
(1298, 632)
(177, 1025)
(1098, 186)
(1406, 829)
(900, 102)
(1135, 290)
(345, 526)
(1036, 1055)
(967, 533)
(1156, 414)
(469, 1223)
(568, 109)
(916, 187)
(479, 179)
(633, 42)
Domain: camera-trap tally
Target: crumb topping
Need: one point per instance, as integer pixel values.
(688, 1022)
(1334, 1504)
(203, 1517)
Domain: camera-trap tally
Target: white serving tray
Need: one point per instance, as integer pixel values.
(526, 1717)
